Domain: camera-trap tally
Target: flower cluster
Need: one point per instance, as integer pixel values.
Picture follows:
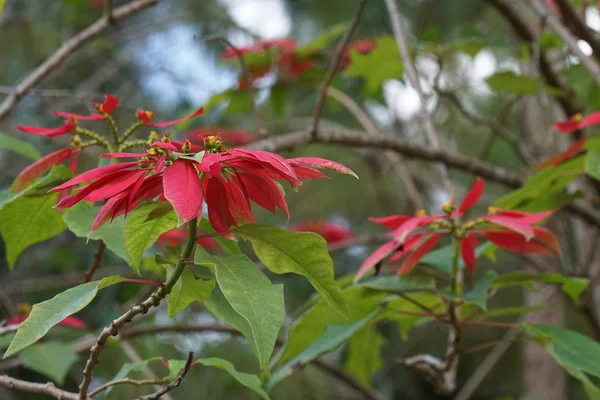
(225, 179)
(415, 236)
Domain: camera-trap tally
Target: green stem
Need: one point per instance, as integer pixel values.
(133, 143)
(131, 130)
(185, 255)
(94, 136)
(455, 258)
(114, 129)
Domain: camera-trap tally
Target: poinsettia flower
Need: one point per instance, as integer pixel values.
(70, 321)
(147, 116)
(104, 109)
(577, 122)
(414, 236)
(227, 180)
(332, 232)
(176, 237)
(70, 125)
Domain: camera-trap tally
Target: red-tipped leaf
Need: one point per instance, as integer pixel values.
(42, 165)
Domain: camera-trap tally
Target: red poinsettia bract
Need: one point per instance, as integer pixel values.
(415, 236)
(333, 233)
(226, 180)
(176, 237)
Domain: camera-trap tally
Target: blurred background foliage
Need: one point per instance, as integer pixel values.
(161, 60)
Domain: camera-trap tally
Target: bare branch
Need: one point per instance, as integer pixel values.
(344, 376)
(89, 274)
(36, 388)
(109, 6)
(248, 77)
(413, 76)
(66, 49)
(578, 26)
(127, 381)
(333, 67)
(173, 384)
(395, 160)
(567, 37)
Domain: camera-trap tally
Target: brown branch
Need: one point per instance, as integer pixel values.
(173, 384)
(567, 37)
(248, 76)
(36, 388)
(344, 376)
(405, 56)
(351, 138)
(127, 381)
(89, 274)
(333, 67)
(66, 49)
(578, 26)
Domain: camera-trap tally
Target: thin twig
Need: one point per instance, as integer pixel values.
(333, 67)
(173, 384)
(262, 131)
(89, 274)
(556, 26)
(402, 43)
(66, 49)
(36, 388)
(128, 381)
(578, 26)
(344, 376)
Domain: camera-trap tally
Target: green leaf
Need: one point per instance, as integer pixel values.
(141, 231)
(331, 339)
(478, 294)
(526, 85)
(379, 65)
(303, 253)
(79, 220)
(440, 259)
(572, 286)
(249, 380)
(188, 289)
(2, 3)
(21, 147)
(278, 98)
(312, 323)
(323, 40)
(570, 349)
(364, 354)
(128, 368)
(48, 313)
(29, 220)
(252, 296)
(592, 164)
(52, 359)
(39, 187)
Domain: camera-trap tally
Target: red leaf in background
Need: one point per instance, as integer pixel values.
(42, 165)
(70, 321)
(79, 117)
(467, 250)
(376, 257)
(331, 232)
(418, 253)
(183, 189)
(68, 127)
(473, 195)
(391, 221)
(566, 155)
(515, 242)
